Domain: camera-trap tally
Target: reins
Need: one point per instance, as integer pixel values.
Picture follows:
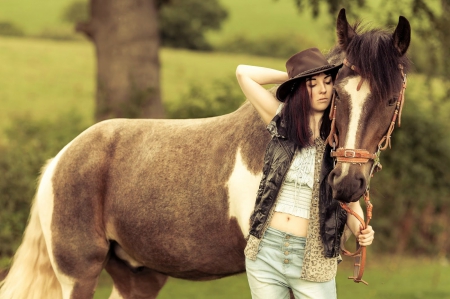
(362, 156)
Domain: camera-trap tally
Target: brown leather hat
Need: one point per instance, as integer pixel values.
(304, 64)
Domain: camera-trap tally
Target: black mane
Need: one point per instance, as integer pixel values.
(377, 59)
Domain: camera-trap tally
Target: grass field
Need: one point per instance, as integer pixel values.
(34, 16)
(388, 277)
(44, 78)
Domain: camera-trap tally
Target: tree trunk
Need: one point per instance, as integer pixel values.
(126, 37)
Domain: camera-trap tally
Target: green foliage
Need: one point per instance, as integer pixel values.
(333, 6)
(223, 96)
(429, 21)
(184, 23)
(75, 12)
(281, 45)
(10, 29)
(412, 194)
(28, 145)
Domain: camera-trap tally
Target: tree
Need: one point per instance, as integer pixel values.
(332, 5)
(127, 36)
(183, 23)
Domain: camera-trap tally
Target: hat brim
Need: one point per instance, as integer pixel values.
(286, 87)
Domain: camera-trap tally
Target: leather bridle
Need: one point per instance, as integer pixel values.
(362, 156)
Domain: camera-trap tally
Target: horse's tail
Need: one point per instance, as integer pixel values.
(31, 275)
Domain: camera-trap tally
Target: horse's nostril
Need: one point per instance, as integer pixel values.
(362, 181)
(332, 177)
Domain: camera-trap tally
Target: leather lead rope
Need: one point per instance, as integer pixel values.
(360, 253)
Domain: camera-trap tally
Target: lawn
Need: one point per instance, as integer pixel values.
(388, 277)
(45, 78)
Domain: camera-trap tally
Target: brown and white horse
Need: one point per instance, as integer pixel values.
(149, 199)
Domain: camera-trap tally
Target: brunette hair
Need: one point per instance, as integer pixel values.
(296, 112)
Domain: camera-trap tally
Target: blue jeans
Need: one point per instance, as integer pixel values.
(278, 267)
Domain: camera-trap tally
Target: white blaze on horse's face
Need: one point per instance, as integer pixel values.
(357, 99)
(242, 187)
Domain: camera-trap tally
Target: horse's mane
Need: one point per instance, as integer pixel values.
(377, 59)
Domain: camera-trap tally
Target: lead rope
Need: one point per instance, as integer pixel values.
(360, 253)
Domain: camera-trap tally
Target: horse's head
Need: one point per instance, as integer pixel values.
(368, 88)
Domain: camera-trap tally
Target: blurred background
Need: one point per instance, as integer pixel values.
(66, 64)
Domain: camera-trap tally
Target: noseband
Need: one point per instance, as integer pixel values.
(362, 156)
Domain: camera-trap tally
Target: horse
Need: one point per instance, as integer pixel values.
(150, 199)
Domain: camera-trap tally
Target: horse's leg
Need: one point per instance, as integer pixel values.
(141, 283)
(78, 259)
(72, 229)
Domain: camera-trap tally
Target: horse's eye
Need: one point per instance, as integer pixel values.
(336, 95)
(392, 101)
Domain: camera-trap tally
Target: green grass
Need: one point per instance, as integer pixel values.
(44, 78)
(388, 277)
(34, 16)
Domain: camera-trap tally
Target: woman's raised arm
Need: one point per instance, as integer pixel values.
(251, 79)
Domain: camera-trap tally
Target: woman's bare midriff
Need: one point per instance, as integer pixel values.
(288, 223)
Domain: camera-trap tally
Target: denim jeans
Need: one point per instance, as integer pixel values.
(278, 267)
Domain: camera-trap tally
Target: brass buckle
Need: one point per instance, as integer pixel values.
(351, 152)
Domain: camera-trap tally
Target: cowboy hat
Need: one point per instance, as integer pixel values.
(301, 65)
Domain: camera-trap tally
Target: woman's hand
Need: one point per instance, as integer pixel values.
(366, 236)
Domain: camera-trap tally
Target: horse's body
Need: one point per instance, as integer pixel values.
(148, 199)
(153, 194)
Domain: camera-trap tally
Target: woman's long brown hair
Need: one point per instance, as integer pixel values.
(296, 113)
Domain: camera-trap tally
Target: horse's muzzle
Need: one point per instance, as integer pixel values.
(349, 185)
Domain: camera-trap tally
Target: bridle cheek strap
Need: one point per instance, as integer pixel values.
(386, 140)
(332, 137)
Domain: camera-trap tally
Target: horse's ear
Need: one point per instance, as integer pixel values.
(402, 35)
(344, 31)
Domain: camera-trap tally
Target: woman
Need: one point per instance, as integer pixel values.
(295, 228)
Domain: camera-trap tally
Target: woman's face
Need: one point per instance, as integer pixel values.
(320, 88)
